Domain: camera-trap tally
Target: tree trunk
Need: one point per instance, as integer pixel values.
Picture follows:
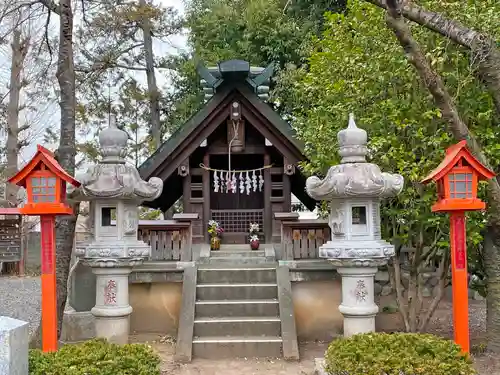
(154, 94)
(492, 266)
(65, 225)
(65, 154)
(19, 49)
(399, 293)
(460, 131)
(482, 46)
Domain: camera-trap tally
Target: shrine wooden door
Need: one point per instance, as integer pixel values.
(236, 210)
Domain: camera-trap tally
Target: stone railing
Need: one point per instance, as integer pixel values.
(301, 239)
(170, 240)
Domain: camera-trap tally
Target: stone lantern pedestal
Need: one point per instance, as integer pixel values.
(358, 306)
(357, 266)
(112, 309)
(115, 190)
(354, 189)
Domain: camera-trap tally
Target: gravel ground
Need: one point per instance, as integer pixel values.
(442, 322)
(20, 298)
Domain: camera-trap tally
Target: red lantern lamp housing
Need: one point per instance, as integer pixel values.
(45, 182)
(456, 178)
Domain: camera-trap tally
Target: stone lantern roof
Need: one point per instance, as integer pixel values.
(112, 178)
(354, 176)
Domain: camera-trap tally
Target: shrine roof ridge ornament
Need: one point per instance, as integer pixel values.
(112, 177)
(354, 177)
(235, 70)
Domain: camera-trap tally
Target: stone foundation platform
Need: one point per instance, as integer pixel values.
(319, 366)
(77, 326)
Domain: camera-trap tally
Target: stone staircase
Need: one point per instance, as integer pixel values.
(237, 309)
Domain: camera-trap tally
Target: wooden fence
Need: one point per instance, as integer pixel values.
(301, 239)
(169, 239)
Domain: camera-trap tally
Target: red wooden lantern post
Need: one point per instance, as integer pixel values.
(456, 178)
(45, 182)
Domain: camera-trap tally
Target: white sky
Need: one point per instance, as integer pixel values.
(51, 115)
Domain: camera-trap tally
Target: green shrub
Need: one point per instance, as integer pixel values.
(96, 357)
(396, 354)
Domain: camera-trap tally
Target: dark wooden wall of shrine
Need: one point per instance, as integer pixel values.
(236, 201)
(236, 210)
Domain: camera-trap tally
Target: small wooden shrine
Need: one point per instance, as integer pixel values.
(235, 161)
(457, 179)
(45, 182)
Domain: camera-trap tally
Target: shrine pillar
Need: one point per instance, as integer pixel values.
(354, 189)
(115, 191)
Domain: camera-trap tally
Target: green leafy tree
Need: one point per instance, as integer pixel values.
(259, 31)
(357, 66)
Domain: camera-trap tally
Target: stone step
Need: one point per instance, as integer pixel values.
(230, 260)
(237, 347)
(236, 291)
(234, 247)
(237, 253)
(272, 266)
(237, 326)
(237, 308)
(237, 275)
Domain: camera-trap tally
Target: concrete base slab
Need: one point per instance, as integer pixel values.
(319, 366)
(114, 329)
(77, 326)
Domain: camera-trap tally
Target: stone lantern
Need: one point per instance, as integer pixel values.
(354, 189)
(114, 190)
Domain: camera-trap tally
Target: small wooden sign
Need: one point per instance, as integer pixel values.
(460, 253)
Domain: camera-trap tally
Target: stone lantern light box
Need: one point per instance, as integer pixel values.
(457, 179)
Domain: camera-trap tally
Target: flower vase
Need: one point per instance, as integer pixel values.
(254, 244)
(215, 243)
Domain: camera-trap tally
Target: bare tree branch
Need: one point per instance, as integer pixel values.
(99, 68)
(46, 35)
(480, 44)
(51, 5)
(16, 9)
(434, 84)
(442, 272)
